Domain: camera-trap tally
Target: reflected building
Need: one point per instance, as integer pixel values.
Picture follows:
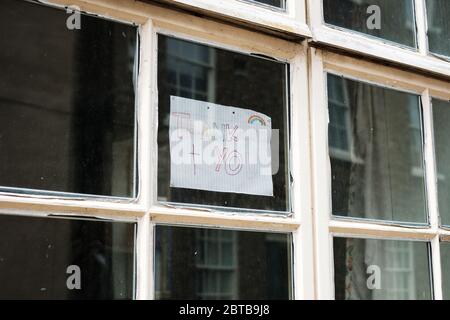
(211, 264)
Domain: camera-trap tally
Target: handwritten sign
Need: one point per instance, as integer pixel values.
(219, 148)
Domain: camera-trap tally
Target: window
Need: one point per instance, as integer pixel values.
(367, 269)
(438, 27)
(67, 103)
(230, 82)
(87, 180)
(238, 149)
(274, 3)
(445, 250)
(376, 181)
(340, 132)
(396, 18)
(282, 16)
(221, 264)
(388, 232)
(403, 32)
(37, 254)
(441, 114)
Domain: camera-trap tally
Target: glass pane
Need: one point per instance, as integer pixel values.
(441, 124)
(438, 12)
(234, 95)
(246, 265)
(275, 3)
(390, 20)
(376, 153)
(445, 262)
(367, 269)
(38, 257)
(66, 102)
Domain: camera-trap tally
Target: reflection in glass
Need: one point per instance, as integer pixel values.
(275, 3)
(375, 145)
(396, 19)
(66, 102)
(441, 124)
(381, 270)
(203, 73)
(221, 264)
(36, 252)
(438, 12)
(445, 263)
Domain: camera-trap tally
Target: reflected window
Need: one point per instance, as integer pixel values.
(368, 269)
(216, 264)
(231, 95)
(376, 150)
(67, 113)
(53, 258)
(386, 19)
(220, 264)
(438, 12)
(339, 113)
(441, 121)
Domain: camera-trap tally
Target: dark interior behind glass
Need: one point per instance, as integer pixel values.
(35, 254)
(67, 102)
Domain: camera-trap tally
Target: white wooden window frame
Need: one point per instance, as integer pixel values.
(372, 47)
(290, 20)
(145, 210)
(325, 225)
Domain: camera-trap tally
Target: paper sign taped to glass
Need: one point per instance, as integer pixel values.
(219, 148)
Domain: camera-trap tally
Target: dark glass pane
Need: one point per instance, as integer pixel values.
(66, 102)
(396, 18)
(438, 12)
(221, 264)
(381, 270)
(376, 152)
(274, 3)
(445, 263)
(225, 78)
(35, 254)
(441, 124)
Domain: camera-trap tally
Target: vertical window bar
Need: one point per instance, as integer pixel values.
(421, 26)
(431, 181)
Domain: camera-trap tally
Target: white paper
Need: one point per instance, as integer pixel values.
(219, 148)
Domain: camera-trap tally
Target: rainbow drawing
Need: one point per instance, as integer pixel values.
(255, 119)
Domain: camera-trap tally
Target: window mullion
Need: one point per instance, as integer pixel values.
(321, 177)
(421, 26)
(146, 162)
(436, 267)
(301, 172)
(430, 161)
